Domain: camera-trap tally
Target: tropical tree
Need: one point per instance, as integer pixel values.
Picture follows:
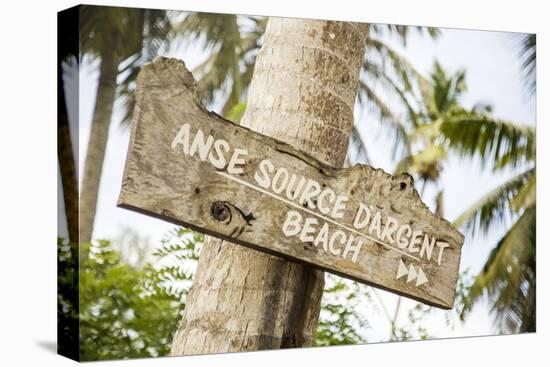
(509, 274)
(67, 54)
(527, 53)
(435, 125)
(233, 42)
(67, 269)
(441, 125)
(508, 277)
(321, 82)
(121, 39)
(387, 77)
(418, 146)
(426, 113)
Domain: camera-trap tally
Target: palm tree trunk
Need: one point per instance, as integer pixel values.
(303, 92)
(67, 49)
(98, 142)
(66, 160)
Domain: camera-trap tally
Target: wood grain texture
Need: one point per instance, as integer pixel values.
(167, 184)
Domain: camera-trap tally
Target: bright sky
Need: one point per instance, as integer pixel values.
(492, 75)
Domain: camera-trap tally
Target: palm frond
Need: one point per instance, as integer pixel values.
(527, 44)
(367, 97)
(526, 196)
(397, 65)
(494, 206)
(447, 89)
(227, 71)
(236, 113)
(236, 94)
(155, 28)
(508, 276)
(209, 28)
(136, 36)
(402, 32)
(404, 165)
(501, 142)
(373, 74)
(357, 151)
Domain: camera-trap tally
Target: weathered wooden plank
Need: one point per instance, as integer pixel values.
(191, 167)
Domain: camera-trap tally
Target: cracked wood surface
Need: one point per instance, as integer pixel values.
(164, 183)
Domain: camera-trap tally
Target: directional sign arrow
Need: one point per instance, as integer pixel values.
(412, 274)
(421, 278)
(402, 270)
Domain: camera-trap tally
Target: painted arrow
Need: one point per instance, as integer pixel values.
(421, 278)
(412, 273)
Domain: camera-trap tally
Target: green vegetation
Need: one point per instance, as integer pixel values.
(340, 322)
(129, 311)
(126, 311)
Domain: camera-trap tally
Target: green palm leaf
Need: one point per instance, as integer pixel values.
(494, 207)
(447, 90)
(526, 196)
(403, 165)
(406, 98)
(527, 43)
(155, 28)
(394, 64)
(136, 35)
(232, 42)
(358, 149)
(508, 277)
(504, 143)
(368, 97)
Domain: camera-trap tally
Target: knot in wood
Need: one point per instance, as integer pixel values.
(220, 211)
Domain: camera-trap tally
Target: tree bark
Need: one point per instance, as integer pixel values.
(303, 93)
(67, 48)
(66, 159)
(97, 144)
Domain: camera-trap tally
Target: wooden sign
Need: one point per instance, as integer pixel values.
(191, 167)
